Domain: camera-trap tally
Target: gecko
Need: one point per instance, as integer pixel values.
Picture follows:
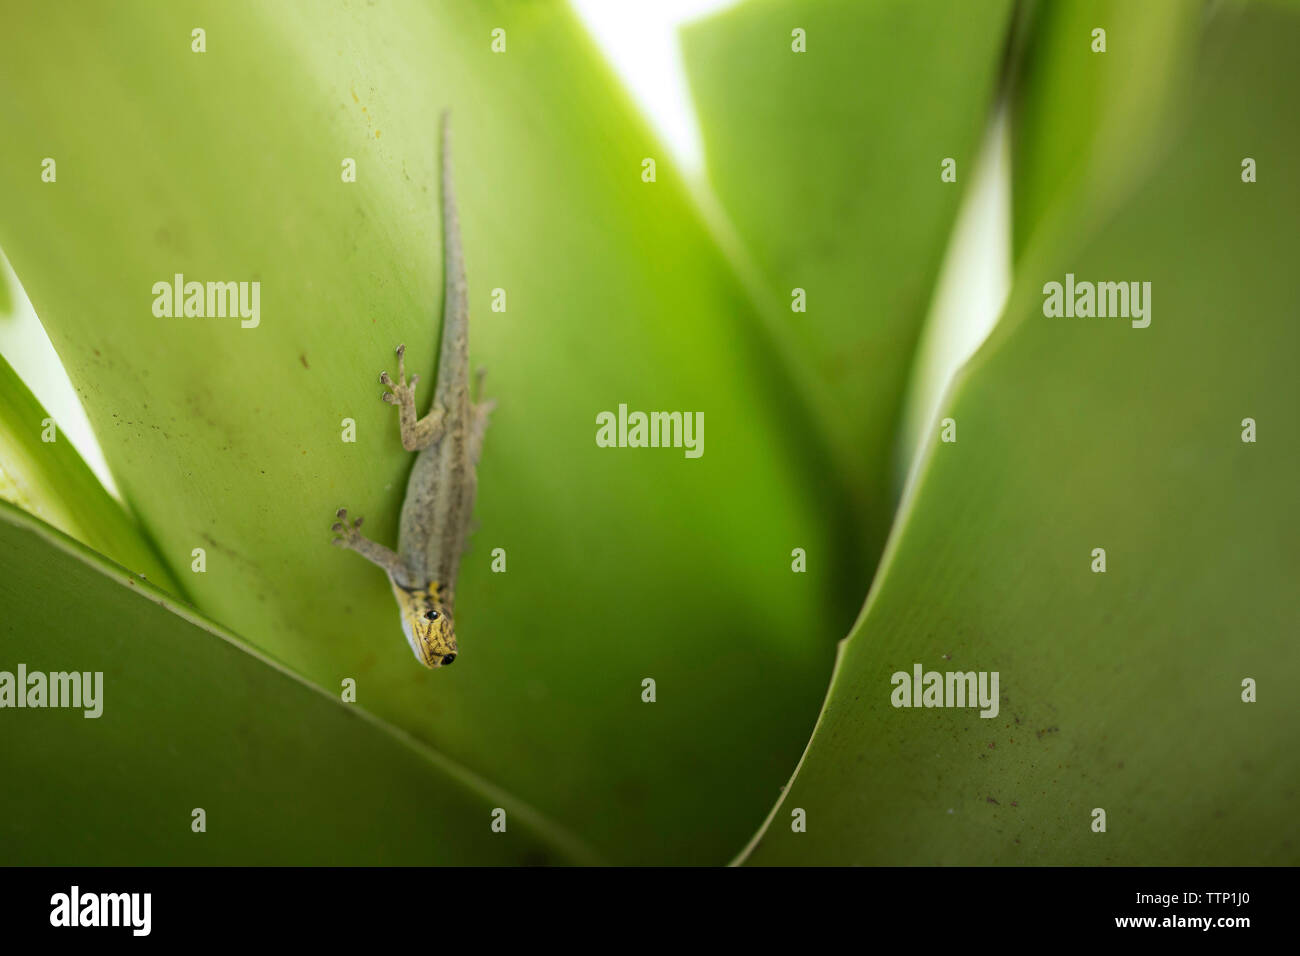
(435, 521)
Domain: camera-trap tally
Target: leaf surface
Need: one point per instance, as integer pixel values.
(1119, 690)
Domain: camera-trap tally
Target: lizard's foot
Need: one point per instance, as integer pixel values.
(349, 535)
(400, 393)
(417, 433)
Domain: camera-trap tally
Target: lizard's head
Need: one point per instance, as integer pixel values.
(427, 622)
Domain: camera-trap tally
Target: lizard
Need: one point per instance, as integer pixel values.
(435, 520)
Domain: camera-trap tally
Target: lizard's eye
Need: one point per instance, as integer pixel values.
(448, 659)
(431, 615)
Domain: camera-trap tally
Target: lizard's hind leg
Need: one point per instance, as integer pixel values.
(350, 537)
(417, 433)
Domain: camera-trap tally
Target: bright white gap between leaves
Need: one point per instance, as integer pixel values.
(27, 348)
(640, 41)
(973, 284)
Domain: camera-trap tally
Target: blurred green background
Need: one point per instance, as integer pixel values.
(223, 688)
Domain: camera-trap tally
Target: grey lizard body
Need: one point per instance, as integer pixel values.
(440, 493)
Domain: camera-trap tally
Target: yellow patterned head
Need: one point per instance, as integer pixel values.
(427, 623)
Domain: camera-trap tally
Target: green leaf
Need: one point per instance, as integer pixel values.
(623, 564)
(189, 717)
(50, 480)
(828, 165)
(1121, 690)
(1088, 125)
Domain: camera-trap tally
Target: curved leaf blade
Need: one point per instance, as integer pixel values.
(190, 718)
(1122, 690)
(828, 163)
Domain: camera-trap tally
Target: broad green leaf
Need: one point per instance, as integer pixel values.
(189, 717)
(622, 564)
(1123, 690)
(50, 480)
(828, 164)
(1088, 123)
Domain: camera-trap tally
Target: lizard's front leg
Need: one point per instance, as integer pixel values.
(350, 537)
(417, 433)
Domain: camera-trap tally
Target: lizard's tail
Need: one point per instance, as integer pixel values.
(453, 361)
